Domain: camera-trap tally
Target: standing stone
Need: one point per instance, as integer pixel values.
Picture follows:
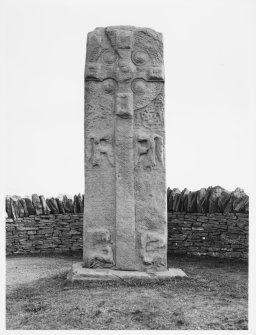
(80, 203)
(172, 197)
(246, 206)
(224, 201)
(192, 202)
(60, 205)
(37, 204)
(52, 204)
(205, 202)
(46, 209)
(76, 204)
(184, 200)
(68, 204)
(199, 199)
(168, 197)
(24, 206)
(240, 200)
(214, 199)
(13, 209)
(16, 206)
(30, 207)
(8, 207)
(125, 217)
(176, 199)
(20, 208)
(170, 201)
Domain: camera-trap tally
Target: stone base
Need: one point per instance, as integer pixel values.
(78, 273)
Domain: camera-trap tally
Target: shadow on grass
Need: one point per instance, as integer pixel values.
(213, 296)
(202, 276)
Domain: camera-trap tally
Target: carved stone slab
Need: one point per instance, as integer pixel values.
(125, 215)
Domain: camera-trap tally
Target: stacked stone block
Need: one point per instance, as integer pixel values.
(18, 207)
(44, 234)
(210, 221)
(211, 200)
(218, 234)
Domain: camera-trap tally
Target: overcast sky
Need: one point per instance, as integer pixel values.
(210, 89)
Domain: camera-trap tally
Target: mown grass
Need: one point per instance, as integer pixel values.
(213, 296)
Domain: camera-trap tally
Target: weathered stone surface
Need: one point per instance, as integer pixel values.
(246, 206)
(21, 210)
(80, 274)
(170, 201)
(240, 200)
(216, 234)
(199, 199)
(16, 207)
(37, 204)
(80, 204)
(223, 202)
(168, 197)
(192, 202)
(68, 204)
(229, 203)
(184, 200)
(222, 234)
(76, 204)
(60, 205)
(24, 206)
(30, 207)
(125, 190)
(214, 199)
(46, 209)
(176, 193)
(205, 202)
(52, 204)
(13, 206)
(8, 208)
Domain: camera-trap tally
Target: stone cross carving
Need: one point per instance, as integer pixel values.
(125, 225)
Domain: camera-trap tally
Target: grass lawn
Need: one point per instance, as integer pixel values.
(213, 296)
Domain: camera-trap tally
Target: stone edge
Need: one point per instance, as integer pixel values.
(78, 273)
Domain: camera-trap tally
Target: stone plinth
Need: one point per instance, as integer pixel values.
(125, 214)
(79, 273)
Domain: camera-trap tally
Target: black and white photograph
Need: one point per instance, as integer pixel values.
(129, 165)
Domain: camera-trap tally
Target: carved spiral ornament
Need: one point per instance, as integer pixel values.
(109, 57)
(139, 86)
(140, 57)
(109, 86)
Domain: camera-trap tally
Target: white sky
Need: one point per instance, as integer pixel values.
(210, 89)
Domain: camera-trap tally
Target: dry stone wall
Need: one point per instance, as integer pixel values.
(211, 200)
(18, 207)
(211, 222)
(50, 233)
(217, 234)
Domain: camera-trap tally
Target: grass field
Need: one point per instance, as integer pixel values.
(213, 296)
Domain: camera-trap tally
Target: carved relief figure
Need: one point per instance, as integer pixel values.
(100, 254)
(100, 145)
(103, 257)
(153, 247)
(149, 149)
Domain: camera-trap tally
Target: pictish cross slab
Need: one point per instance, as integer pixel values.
(124, 69)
